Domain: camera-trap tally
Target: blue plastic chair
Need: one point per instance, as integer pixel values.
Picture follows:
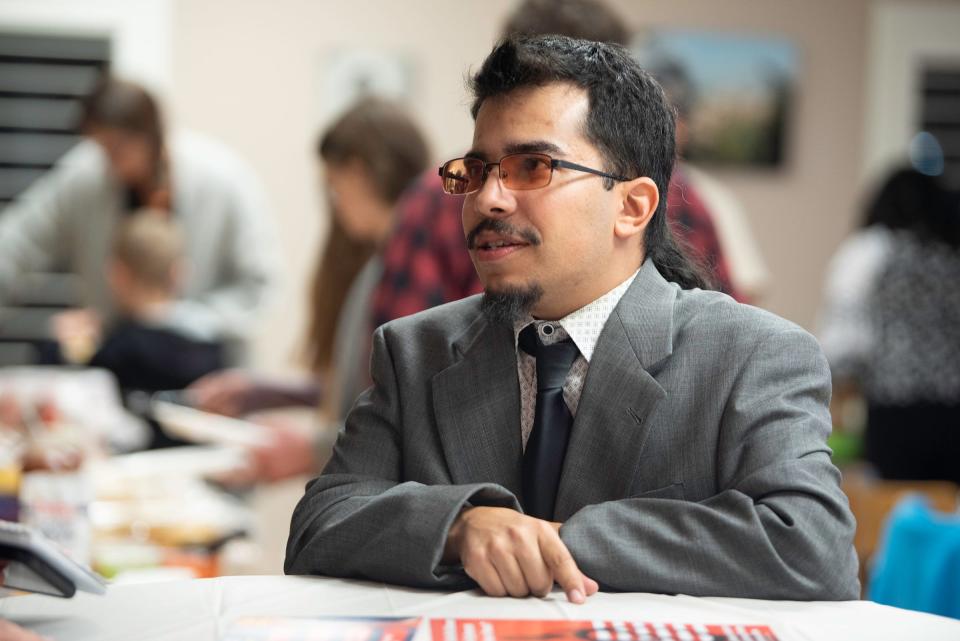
(918, 563)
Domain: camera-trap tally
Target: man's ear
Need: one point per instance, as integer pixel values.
(640, 200)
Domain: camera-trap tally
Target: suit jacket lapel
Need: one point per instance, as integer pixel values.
(477, 408)
(619, 393)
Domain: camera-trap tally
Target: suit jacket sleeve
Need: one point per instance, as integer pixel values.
(362, 517)
(779, 528)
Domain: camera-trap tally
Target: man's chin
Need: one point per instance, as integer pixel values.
(506, 303)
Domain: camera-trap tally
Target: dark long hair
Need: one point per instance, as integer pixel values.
(385, 140)
(910, 200)
(124, 105)
(629, 121)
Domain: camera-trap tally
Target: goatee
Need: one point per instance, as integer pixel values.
(509, 305)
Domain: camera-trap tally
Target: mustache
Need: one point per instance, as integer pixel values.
(501, 227)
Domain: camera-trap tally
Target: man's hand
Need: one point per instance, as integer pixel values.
(510, 553)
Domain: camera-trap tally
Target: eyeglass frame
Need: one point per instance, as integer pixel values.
(554, 164)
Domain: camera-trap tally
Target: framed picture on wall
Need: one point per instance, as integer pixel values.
(734, 93)
(350, 74)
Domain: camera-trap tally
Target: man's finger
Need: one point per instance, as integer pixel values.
(478, 567)
(590, 586)
(536, 574)
(563, 568)
(511, 576)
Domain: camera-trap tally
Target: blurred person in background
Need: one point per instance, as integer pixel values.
(147, 347)
(425, 261)
(369, 156)
(65, 220)
(890, 327)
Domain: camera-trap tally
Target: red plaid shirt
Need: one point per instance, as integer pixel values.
(426, 263)
(693, 226)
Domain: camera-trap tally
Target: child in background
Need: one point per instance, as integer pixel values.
(142, 348)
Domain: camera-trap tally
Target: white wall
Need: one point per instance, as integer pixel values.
(140, 31)
(903, 36)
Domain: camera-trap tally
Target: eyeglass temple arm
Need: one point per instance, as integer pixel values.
(572, 165)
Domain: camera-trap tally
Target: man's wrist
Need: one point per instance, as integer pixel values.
(451, 549)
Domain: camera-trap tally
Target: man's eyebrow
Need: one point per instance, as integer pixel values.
(528, 147)
(533, 147)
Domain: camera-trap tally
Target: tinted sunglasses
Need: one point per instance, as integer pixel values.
(517, 171)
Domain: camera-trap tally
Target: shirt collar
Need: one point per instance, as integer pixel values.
(584, 325)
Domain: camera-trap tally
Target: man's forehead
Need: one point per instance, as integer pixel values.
(562, 91)
(545, 119)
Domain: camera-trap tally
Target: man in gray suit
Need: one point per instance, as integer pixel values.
(682, 446)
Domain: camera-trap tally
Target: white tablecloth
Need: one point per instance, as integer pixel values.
(202, 610)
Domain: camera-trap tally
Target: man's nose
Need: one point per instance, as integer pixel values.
(493, 199)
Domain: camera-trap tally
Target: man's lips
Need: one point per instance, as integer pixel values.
(496, 251)
(487, 241)
(494, 239)
(492, 245)
(489, 247)
(491, 233)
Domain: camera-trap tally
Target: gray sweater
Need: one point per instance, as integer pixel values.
(65, 220)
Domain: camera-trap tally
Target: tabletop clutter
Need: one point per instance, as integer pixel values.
(64, 471)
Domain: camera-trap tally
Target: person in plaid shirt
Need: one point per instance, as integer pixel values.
(693, 225)
(425, 262)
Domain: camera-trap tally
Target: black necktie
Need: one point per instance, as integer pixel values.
(547, 445)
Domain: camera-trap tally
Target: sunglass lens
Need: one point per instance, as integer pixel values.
(525, 171)
(462, 176)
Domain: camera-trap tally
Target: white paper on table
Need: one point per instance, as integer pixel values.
(198, 426)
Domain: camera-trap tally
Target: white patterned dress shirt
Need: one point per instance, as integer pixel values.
(584, 327)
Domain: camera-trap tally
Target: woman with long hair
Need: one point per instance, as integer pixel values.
(368, 157)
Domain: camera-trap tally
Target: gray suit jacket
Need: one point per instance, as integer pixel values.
(697, 461)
